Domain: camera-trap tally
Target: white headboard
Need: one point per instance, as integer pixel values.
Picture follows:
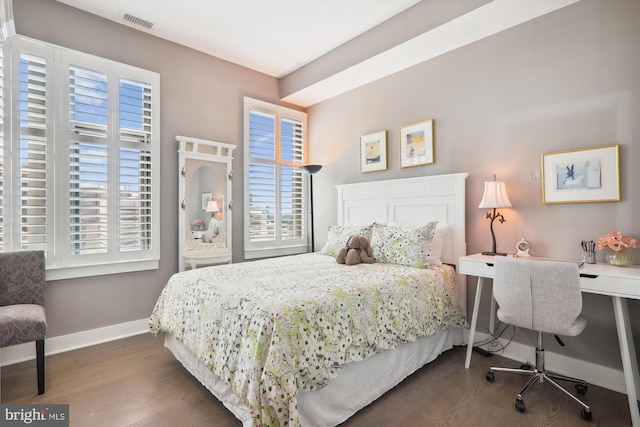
(412, 201)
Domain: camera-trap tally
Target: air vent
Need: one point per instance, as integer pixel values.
(137, 21)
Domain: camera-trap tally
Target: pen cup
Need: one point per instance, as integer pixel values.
(589, 257)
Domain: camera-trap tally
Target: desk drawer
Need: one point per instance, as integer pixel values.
(614, 286)
(476, 268)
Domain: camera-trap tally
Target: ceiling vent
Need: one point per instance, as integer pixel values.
(136, 20)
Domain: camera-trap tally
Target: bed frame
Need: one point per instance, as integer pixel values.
(413, 201)
(410, 201)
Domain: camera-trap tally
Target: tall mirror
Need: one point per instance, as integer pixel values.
(205, 208)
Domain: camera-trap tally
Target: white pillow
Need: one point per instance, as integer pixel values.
(403, 244)
(339, 234)
(438, 243)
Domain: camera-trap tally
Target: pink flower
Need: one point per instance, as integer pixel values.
(616, 242)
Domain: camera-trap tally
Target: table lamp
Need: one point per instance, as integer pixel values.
(212, 206)
(495, 196)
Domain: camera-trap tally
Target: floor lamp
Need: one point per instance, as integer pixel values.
(495, 196)
(311, 170)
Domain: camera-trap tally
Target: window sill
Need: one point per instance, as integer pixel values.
(274, 252)
(100, 270)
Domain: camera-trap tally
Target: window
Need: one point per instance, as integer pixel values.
(275, 208)
(78, 165)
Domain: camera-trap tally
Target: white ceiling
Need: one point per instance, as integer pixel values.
(277, 37)
(271, 36)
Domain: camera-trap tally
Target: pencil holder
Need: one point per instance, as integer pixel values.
(589, 257)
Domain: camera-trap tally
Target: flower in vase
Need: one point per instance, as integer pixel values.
(616, 242)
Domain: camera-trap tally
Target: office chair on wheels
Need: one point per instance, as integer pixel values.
(543, 296)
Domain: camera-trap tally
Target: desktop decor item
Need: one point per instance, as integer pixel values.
(495, 196)
(416, 144)
(311, 170)
(523, 247)
(373, 152)
(588, 251)
(581, 176)
(619, 245)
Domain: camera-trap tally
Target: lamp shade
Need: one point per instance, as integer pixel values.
(495, 195)
(212, 206)
(310, 169)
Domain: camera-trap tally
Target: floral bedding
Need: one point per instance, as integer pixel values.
(274, 328)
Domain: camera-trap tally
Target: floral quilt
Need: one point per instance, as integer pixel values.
(274, 328)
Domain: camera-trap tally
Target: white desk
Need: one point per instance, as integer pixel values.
(619, 283)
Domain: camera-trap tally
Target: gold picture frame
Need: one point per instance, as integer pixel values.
(581, 176)
(373, 152)
(416, 144)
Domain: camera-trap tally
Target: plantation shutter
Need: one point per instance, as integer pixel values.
(275, 191)
(291, 180)
(88, 163)
(2, 145)
(262, 177)
(135, 166)
(33, 155)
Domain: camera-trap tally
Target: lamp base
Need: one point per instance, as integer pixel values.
(494, 253)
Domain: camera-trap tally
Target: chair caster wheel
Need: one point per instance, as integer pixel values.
(586, 415)
(520, 405)
(490, 376)
(581, 388)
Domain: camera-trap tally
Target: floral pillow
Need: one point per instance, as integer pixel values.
(339, 234)
(402, 244)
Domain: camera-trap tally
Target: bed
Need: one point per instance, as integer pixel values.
(287, 341)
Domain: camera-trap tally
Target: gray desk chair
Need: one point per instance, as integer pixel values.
(543, 296)
(22, 314)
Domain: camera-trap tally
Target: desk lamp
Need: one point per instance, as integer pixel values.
(311, 170)
(495, 196)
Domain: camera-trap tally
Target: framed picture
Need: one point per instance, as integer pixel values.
(373, 152)
(205, 200)
(581, 176)
(416, 144)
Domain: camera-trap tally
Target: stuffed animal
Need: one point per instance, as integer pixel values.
(357, 250)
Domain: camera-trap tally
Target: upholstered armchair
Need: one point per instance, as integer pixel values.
(22, 313)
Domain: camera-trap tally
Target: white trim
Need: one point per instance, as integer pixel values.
(23, 352)
(601, 376)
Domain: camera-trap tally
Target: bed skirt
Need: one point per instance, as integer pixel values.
(353, 389)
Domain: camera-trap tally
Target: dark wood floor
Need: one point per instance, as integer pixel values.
(137, 382)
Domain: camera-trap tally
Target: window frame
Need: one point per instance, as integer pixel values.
(278, 246)
(60, 263)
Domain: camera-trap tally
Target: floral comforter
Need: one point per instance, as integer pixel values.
(274, 328)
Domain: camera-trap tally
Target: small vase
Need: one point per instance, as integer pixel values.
(621, 258)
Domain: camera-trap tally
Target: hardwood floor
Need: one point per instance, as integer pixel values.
(137, 382)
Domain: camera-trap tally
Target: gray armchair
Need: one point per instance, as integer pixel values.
(22, 313)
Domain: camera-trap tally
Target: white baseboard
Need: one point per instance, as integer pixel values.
(23, 352)
(591, 373)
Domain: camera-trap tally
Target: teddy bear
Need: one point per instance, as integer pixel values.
(357, 250)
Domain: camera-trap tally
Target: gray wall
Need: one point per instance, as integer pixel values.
(201, 96)
(567, 80)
